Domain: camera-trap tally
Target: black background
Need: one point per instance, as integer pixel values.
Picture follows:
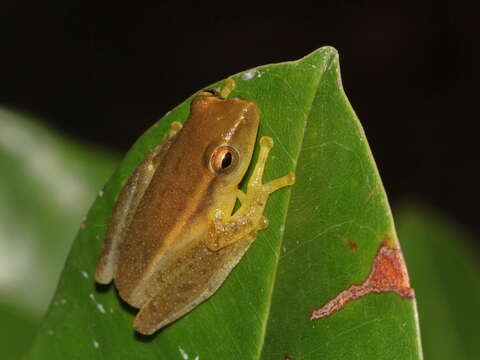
(104, 73)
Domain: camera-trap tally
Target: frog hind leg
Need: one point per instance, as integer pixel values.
(227, 229)
(194, 276)
(163, 309)
(126, 205)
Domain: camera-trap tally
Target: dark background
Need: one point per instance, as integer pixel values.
(104, 73)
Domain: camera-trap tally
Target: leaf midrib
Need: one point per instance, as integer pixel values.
(332, 55)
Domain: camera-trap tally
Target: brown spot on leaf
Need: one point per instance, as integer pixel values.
(352, 245)
(388, 274)
(372, 192)
(286, 357)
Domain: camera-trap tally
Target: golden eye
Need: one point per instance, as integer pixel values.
(224, 159)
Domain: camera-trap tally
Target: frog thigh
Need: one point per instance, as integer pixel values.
(163, 309)
(183, 293)
(126, 206)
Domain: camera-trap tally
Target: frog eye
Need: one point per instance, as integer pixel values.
(224, 159)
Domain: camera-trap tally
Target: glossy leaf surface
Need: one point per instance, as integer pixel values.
(323, 236)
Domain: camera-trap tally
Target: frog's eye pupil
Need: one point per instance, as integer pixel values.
(227, 160)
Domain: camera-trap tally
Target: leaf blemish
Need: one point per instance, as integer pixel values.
(352, 245)
(389, 274)
(372, 192)
(99, 306)
(250, 74)
(183, 353)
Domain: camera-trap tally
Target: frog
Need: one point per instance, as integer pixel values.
(181, 223)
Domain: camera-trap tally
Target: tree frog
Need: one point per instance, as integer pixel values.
(174, 236)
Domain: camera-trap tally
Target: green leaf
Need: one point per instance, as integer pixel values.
(446, 277)
(323, 236)
(17, 330)
(46, 186)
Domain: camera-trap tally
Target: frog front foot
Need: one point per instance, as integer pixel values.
(226, 229)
